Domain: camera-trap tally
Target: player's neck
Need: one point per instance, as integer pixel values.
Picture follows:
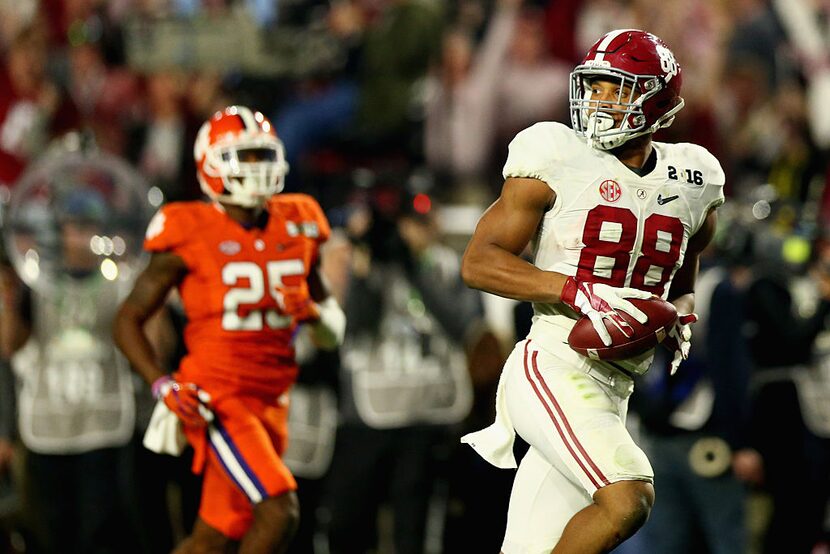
(634, 153)
(247, 217)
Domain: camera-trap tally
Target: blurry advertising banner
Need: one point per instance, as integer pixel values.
(235, 43)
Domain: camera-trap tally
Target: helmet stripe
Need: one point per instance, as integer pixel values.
(247, 118)
(606, 42)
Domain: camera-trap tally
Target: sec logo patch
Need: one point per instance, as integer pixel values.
(610, 190)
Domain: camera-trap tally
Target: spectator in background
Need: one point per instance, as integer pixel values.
(695, 425)
(534, 86)
(373, 103)
(107, 97)
(404, 379)
(206, 94)
(593, 18)
(75, 395)
(462, 103)
(756, 35)
(700, 29)
(15, 16)
(784, 325)
(482, 96)
(7, 408)
(796, 166)
(8, 402)
(7, 445)
(32, 108)
(398, 50)
(312, 420)
(324, 107)
(160, 144)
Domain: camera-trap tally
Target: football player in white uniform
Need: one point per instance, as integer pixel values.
(613, 215)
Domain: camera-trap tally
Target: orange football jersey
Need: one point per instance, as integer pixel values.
(237, 338)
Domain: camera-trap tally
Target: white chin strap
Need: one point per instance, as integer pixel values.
(597, 124)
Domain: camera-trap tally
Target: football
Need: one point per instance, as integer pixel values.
(661, 316)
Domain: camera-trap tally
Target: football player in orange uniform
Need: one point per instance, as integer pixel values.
(246, 267)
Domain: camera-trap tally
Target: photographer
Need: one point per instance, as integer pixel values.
(786, 314)
(75, 400)
(695, 424)
(404, 377)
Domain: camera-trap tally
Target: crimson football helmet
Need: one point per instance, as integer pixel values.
(239, 159)
(642, 64)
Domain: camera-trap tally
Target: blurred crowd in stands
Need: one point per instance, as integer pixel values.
(396, 115)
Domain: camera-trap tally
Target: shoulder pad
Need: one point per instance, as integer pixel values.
(303, 210)
(539, 147)
(708, 193)
(172, 225)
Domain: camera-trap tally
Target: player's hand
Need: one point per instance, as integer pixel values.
(600, 302)
(297, 302)
(679, 340)
(186, 400)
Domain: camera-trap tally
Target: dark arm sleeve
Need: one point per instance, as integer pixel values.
(780, 337)
(8, 402)
(364, 302)
(456, 306)
(728, 365)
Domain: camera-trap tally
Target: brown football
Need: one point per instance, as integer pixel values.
(661, 316)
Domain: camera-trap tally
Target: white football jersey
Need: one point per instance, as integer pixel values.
(608, 224)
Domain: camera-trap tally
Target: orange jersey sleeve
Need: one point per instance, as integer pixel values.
(306, 215)
(171, 230)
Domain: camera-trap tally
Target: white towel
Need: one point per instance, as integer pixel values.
(164, 434)
(495, 443)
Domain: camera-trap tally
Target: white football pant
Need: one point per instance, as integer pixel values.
(575, 424)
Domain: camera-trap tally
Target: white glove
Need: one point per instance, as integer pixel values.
(600, 302)
(679, 339)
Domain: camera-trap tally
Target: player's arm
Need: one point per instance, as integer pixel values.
(316, 306)
(492, 261)
(682, 291)
(164, 271)
(15, 312)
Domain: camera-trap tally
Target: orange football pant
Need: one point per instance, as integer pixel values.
(241, 450)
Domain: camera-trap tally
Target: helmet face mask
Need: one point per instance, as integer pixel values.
(239, 158)
(648, 81)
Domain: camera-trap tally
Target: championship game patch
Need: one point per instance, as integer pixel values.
(310, 229)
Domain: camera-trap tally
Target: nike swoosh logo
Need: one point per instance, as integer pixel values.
(665, 200)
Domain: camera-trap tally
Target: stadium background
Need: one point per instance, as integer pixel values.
(402, 105)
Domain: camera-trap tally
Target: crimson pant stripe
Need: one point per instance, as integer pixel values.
(565, 421)
(553, 418)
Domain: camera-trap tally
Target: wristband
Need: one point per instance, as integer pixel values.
(158, 385)
(328, 331)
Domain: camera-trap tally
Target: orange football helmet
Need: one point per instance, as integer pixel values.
(239, 159)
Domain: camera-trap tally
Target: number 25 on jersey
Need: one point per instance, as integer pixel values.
(234, 274)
